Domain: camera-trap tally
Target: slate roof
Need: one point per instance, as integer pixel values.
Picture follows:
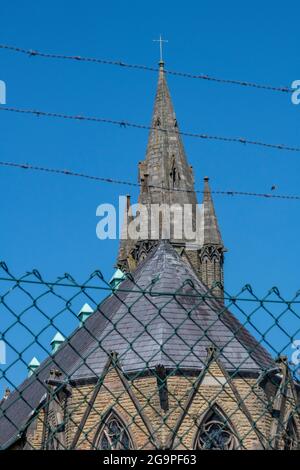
(145, 330)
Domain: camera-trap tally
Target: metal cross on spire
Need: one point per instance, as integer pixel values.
(161, 41)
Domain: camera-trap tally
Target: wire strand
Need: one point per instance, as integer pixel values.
(66, 172)
(124, 124)
(202, 76)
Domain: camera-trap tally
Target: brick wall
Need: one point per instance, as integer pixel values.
(142, 405)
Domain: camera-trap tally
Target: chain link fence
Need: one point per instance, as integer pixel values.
(129, 364)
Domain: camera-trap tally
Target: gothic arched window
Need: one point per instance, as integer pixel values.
(114, 434)
(290, 437)
(215, 433)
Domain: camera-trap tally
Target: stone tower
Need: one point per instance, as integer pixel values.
(166, 181)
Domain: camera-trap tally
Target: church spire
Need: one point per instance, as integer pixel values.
(165, 176)
(166, 180)
(212, 235)
(211, 254)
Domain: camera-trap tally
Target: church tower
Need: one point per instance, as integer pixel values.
(158, 364)
(167, 185)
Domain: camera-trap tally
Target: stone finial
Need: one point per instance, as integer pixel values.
(84, 313)
(211, 350)
(55, 378)
(282, 362)
(33, 366)
(54, 373)
(281, 359)
(57, 340)
(117, 279)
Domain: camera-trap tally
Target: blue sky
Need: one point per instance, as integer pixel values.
(49, 222)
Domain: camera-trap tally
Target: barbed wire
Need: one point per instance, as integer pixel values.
(202, 76)
(125, 124)
(66, 172)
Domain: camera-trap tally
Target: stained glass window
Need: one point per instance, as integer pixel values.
(215, 433)
(114, 435)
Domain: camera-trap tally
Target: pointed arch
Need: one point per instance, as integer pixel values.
(216, 432)
(113, 433)
(291, 436)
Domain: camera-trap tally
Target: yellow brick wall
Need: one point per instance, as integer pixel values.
(213, 390)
